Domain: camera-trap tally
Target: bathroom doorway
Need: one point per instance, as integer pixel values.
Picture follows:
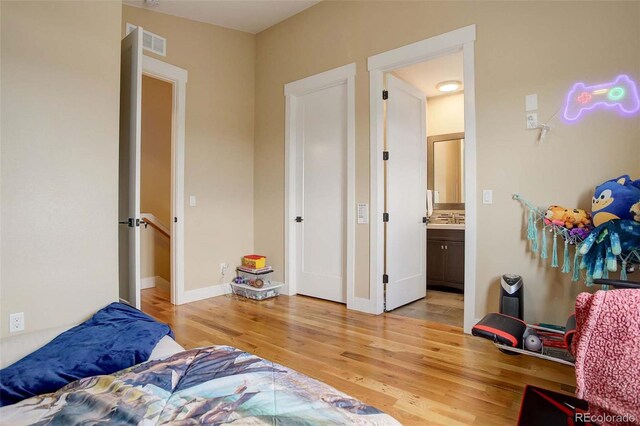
(445, 245)
(441, 83)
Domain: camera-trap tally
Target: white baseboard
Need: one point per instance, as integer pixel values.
(205, 293)
(149, 282)
(157, 281)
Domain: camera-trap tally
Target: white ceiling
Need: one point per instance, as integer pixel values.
(426, 75)
(251, 16)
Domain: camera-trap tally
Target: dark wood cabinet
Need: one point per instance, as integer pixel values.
(445, 258)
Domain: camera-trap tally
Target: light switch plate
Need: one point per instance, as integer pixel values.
(531, 102)
(363, 213)
(192, 200)
(487, 196)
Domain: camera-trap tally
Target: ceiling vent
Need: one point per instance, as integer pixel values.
(150, 41)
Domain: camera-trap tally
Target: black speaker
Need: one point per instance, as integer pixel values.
(512, 296)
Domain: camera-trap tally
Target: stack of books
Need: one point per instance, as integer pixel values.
(256, 271)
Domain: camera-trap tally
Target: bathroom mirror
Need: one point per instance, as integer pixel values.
(445, 177)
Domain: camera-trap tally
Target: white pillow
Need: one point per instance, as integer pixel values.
(165, 347)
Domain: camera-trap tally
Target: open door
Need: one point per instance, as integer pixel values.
(129, 170)
(405, 195)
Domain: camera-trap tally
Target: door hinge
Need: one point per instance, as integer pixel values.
(385, 279)
(385, 95)
(175, 220)
(385, 155)
(424, 219)
(129, 222)
(385, 217)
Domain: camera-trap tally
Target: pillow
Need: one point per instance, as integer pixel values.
(116, 337)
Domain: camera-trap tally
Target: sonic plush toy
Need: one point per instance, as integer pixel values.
(616, 199)
(601, 250)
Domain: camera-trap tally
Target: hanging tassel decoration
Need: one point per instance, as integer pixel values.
(554, 256)
(566, 267)
(576, 268)
(543, 244)
(623, 271)
(532, 231)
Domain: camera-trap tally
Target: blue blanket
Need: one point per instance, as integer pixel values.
(116, 337)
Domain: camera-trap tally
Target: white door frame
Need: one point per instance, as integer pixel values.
(337, 76)
(178, 78)
(460, 39)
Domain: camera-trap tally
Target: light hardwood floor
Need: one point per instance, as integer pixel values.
(439, 306)
(417, 371)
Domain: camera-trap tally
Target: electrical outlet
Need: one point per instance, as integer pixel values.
(532, 120)
(16, 322)
(223, 268)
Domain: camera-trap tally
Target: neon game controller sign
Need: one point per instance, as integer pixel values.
(620, 95)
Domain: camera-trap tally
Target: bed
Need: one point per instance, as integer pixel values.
(212, 385)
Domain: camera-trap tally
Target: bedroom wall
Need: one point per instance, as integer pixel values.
(60, 89)
(522, 48)
(219, 139)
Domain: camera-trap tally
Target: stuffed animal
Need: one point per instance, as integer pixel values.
(577, 217)
(568, 218)
(616, 199)
(555, 215)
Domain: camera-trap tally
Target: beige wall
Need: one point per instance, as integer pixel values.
(219, 138)
(155, 254)
(60, 102)
(522, 48)
(155, 180)
(445, 114)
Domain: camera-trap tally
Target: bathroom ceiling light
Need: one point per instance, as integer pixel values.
(449, 86)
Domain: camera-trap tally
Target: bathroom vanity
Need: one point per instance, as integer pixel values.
(445, 254)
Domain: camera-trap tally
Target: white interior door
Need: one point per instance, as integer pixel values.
(321, 193)
(405, 194)
(129, 167)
